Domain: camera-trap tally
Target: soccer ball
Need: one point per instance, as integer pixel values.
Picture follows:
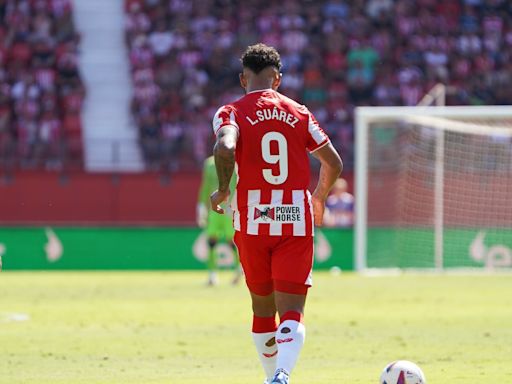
(402, 372)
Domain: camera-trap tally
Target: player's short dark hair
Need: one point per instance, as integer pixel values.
(260, 56)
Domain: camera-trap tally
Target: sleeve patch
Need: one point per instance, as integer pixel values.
(224, 116)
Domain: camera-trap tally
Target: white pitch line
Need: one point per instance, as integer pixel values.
(14, 317)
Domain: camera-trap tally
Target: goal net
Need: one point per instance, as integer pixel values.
(433, 187)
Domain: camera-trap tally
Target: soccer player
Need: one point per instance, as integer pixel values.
(266, 137)
(218, 227)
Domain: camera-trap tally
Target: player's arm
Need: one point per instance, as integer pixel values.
(203, 198)
(224, 154)
(330, 169)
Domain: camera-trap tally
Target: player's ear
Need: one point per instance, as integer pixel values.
(243, 80)
(276, 82)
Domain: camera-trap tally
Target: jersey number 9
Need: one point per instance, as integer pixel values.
(280, 158)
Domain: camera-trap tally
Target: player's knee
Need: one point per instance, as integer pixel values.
(288, 287)
(263, 306)
(260, 291)
(290, 297)
(212, 242)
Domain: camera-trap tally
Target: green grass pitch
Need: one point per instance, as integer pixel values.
(167, 327)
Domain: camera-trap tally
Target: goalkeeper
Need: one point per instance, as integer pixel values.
(218, 227)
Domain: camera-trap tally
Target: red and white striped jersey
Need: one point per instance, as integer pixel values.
(272, 165)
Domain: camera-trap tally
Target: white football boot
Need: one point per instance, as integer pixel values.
(281, 377)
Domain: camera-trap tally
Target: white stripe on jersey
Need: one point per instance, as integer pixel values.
(275, 213)
(276, 228)
(299, 228)
(309, 280)
(316, 133)
(308, 194)
(253, 198)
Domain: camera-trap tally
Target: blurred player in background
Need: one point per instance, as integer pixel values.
(340, 206)
(269, 136)
(218, 227)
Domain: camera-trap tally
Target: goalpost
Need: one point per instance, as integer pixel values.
(433, 187)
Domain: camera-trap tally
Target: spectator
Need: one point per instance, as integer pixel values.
(40, 87)
(336, 55)
(375, 8)
(339, 206)
(161, 40)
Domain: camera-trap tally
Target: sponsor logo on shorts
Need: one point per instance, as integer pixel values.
(286, 213)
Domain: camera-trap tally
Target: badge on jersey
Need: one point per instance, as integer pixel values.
(284, 213)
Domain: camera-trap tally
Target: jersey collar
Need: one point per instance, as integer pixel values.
(261, 90)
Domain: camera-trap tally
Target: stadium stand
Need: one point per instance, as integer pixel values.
(336, 54)
(41, 91)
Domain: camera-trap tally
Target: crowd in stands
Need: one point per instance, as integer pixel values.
(337, 54)
(41, 92)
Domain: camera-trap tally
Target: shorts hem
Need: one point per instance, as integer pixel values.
(291, 287)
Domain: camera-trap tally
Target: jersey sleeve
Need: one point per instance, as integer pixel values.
(224, 116)
(316, 137)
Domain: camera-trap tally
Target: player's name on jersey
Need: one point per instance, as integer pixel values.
(273, 114)
(285, 213)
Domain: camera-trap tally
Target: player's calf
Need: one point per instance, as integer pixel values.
(264, 337)
(290, 337)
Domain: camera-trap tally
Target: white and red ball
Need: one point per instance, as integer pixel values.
(402, 372)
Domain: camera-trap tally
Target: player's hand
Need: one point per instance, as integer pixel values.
(201, 215)
(217, 198)
(318, 208)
